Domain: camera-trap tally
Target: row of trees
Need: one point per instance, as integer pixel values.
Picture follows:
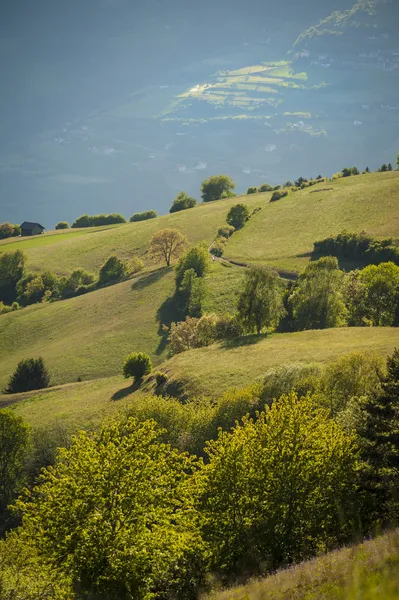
(28, 288)
(8, 230)
(125, 513)
(358, 247)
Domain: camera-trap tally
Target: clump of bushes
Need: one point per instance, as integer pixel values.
(8, 230)
(182, 202)
(114, 269)
(30, 374)
(143, 216)
(226, 231)
(98, 220)
(349, 171)
(218, 246)
(62, 225)
(200, 332)
(160, 378)
(237, 216)
(137, 365)
(278, 194)
(252, 190)
(4, 308)
(265, 187)
(358, 246)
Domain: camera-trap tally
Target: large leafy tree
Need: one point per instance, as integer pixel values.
(317, 301)
(238, 215)
(117, 513)
(280, 488)
(167, 244)
(14, 445)
(378, 294)
(196, 258)
(217, 187)
(12, 267)
(260, 302)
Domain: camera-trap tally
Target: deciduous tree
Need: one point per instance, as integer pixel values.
(168, 244)
(260, 302)
(217, 187)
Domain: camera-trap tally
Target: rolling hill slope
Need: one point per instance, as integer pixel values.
(206, 371)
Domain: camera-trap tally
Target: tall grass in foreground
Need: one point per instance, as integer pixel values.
(369, 571)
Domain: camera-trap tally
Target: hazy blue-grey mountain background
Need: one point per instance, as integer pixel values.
(117, 105)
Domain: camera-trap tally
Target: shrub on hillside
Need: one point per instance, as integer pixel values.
(278, 194)
(358, 246)
(135, 265)
(78, 279)
(143, 216)
(218, 246)
(217, 187)
(226, 231)
(349, 171)
(12, 269)
(265, 187)
(114, 269)
(228, 327)
(98, 220)
(237, 216)
(62, 225)
(161, 378)
(8, 230)
(197, 258)
(30, 374)
(137, 365)
(182, 202)
(252, 190)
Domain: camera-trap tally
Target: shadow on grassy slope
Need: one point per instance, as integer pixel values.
(150, 278)
(248, 340)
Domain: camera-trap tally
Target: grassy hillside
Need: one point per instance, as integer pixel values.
(214, 369)
(368, 571)
(208, 371)
(283, 233)
(88, 336)
(70, 251)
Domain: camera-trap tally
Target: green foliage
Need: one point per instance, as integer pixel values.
(192, 293)
(265, 187)
(30, 374)
(381, 449)
(135, 265)
(62, 225)
(182, 336)
(317, 300)
(98, 220)
(357, 247)
(197, 258)
(14, 446)
(12, 268)
(137, 365)
(228, 327)
(197, 333)
(278, 194)
(114, 269)
(161, 378)
(25, 575)
(237, 216)
(182, 202)
(217, 187)
(218, 246)
(302, 378)
(7, 230)
(72, 285)
(117, 515)
(260, 302)
(397, 161)
(226, 231)
(279, 489)
(252, 190)
(353, 375)
(143, 216)
(167, 244)
(35, 288)
(349, 171)
(379, 293)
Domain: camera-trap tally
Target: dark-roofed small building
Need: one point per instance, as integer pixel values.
(28, 228)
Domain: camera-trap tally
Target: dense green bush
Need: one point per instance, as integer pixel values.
(226, 231)
(79, 279)
(98, 220)
(218, 246)
(62, 225)
(196, 258)
(137, 365)
(114, 269)
(259, 305)
(349, 171)
(265, 187)
(12, 269)
(279, 489)
(237, 216)
(161, 378)
(278, 194)
(217, 187)
(36, 288)
(182, 202)
(143, 216)
(252, 190)
(357, 247)
(8, 230)
(30, 374)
